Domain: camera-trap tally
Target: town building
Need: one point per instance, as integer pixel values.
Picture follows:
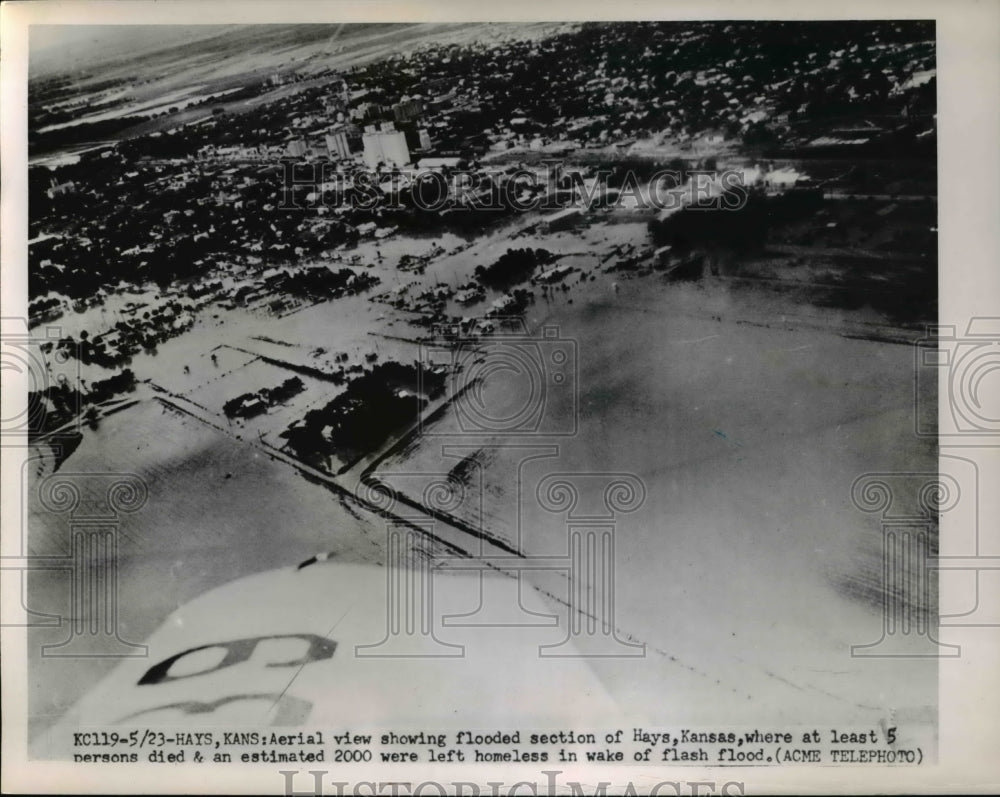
(439, 163)
(407, 110)
(337, 146)
(387, 145)
(296, 148)
(59, 189)
(555, 274)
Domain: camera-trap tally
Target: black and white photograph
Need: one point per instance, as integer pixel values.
(455, 405)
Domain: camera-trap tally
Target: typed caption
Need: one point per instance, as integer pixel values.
(882, 745)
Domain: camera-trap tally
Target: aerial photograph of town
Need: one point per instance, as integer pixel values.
(613, 319)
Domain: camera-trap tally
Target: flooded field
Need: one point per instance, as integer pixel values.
(747, 419)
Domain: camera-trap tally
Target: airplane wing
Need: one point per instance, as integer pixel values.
(332, 644)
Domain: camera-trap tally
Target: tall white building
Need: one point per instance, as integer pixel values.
(387, 147)
(336, 145)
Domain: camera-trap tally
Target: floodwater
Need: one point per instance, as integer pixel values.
(747, 570)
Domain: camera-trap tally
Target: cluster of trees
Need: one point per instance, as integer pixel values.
(134, 334)
(322, 282)
(52, 407)
(58, 404)
(104, 389)
(44, 310)
(634, 171)
(361, 418)
(513, 267)
(736, 222)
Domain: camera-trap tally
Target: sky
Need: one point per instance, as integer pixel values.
(55, 48)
